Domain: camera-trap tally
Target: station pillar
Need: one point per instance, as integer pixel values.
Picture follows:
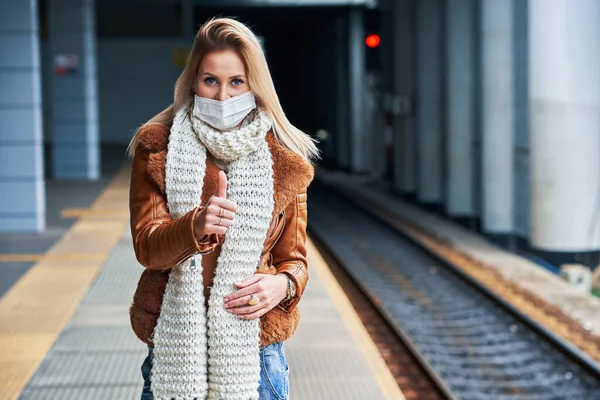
(22, 198)
(429, 104)
(564, 99)
(498, 134)
(460, 109)
(74, 89)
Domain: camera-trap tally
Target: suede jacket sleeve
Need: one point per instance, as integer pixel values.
(160, 242)
(289, 252)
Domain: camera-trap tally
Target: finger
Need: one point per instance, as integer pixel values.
(228, 214)
(245, 309)
(216, 230)
(256, 314)
(248, 310)
(222, 187)
(218, 221)
(220, 230)
(215, 218)
(249, 281)
(216, 203)
(241, 293)
(240, 301)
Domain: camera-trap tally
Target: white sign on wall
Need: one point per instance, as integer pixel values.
(66, 64)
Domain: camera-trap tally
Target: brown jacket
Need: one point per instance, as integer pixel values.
(161, 242)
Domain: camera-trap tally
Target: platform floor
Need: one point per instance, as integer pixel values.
(65, 334)
(19, 252)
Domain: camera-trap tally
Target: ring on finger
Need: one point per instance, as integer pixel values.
(221, 212)
(254, 300)
(220, 221)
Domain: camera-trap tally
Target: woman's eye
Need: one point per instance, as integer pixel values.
(210, 81)
(237, 82)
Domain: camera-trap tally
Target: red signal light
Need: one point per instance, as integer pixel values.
(373, 41)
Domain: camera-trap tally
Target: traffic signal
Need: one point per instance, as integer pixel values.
(373, 39)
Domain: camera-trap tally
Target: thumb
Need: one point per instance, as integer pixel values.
(222, 186)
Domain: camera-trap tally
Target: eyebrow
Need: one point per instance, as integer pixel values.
(233, 77)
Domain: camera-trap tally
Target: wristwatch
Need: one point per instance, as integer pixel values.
(291, 289)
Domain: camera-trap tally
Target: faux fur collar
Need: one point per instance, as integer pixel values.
(291, 173)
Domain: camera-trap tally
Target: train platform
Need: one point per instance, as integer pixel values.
(65, 331)
(545, 297)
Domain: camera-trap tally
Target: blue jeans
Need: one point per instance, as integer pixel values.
(274, 374)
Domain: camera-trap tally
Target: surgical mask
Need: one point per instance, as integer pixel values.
(224, 115)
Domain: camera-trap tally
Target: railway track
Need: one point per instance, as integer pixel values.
(410, 376)
(468, 343)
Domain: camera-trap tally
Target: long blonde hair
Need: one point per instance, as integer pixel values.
(222, 34)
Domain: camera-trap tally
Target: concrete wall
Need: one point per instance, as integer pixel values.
(136, 79)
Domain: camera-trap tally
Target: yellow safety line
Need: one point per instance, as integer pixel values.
(379, 369)
(20, 257)
(35, 310)
(93, 212)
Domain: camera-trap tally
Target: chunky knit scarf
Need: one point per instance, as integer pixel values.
(200, 354)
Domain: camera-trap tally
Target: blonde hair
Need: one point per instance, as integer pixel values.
(228, 34)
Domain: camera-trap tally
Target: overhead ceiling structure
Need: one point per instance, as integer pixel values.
(285, 3)
(143, 18)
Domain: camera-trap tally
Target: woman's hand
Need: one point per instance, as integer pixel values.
(270, 290)
(218, 214)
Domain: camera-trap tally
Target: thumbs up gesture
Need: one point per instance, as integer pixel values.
(218, 214)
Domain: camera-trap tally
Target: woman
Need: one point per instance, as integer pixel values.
(218, 218)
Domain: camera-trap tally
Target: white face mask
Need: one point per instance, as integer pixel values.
(224, 115)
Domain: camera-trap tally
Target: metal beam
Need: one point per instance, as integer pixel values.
(286, 3)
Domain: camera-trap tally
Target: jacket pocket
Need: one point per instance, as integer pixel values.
(276, 234)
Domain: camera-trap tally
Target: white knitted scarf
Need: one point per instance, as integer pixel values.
(200, 354)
